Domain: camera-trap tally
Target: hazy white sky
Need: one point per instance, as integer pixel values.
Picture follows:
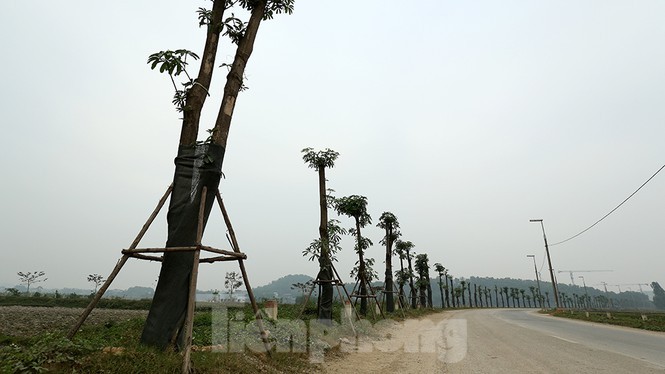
(464, 118)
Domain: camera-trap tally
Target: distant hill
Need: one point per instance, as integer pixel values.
(281, 286)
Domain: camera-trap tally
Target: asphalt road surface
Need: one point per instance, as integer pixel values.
(522, 341)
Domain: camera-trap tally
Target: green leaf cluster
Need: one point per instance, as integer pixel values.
(319, 159)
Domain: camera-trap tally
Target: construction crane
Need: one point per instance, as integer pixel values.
(572, 273)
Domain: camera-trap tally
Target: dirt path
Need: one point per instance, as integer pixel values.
(413, 346)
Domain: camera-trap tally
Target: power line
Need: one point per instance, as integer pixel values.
(611, 211)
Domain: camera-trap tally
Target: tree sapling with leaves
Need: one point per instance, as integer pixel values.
(95, 279)
(31, 277)
(319, 161)
(200, 161)
(389, 223)
(232, 281)
(356, 206)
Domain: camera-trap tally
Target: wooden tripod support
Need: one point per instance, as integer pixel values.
(222, 255)
(371, 295)
(337, 282)
(399, 301)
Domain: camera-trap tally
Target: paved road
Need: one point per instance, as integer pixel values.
(522, 341)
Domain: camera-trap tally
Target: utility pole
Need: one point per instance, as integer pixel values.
(549, 262)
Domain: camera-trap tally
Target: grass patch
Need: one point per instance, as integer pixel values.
(653, 322)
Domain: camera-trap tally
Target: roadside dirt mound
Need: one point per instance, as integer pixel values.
(412, 346)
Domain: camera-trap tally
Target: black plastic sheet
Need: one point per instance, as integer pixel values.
(195, 167)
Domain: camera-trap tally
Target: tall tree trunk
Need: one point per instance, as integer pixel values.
(402, 298)
(198, 93)
(447, 295)
(452, 292)
(361, 271)
(470, 300)
(197, 166)
(443, 305)
(388, 284)
(414, 298)
(475, 294)
(429, 293)
(325, 263)
(234, 79)
(423, 294)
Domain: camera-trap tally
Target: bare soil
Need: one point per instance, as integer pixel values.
(412, 346)
(30, 321)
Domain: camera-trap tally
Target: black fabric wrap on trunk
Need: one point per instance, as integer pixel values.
(195, 167)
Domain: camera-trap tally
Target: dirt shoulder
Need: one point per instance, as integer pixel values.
(413, 346)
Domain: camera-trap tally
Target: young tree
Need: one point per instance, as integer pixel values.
(370, 274)
(389, 223)
(31, 277)
(452, 289)
(505, 293)
(232, 281)
(422, 267)
(446, 279)
(335, 232)
(658, 295)
(303, 287)
(463, 287)
(405, 247)
(475, 296)
(95, 279)
(458, 291)
(319, 161)
(402, 277)
(399, 250)
(356, 207)
(468, 288)
(442, 272)
(200, 161)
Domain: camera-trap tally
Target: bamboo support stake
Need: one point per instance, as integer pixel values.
(250, 293)
(119, 265)
(144, 257)
(191, 303)
(152, 217)
(98, 296)
(210, 260)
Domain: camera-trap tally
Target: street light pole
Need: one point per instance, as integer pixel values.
(535, 268)
(549, 262)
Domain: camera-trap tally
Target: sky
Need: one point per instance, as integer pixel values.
(465, 119)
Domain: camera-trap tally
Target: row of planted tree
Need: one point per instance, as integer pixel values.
(411, 284)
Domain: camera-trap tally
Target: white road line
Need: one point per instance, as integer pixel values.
(565, 340)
